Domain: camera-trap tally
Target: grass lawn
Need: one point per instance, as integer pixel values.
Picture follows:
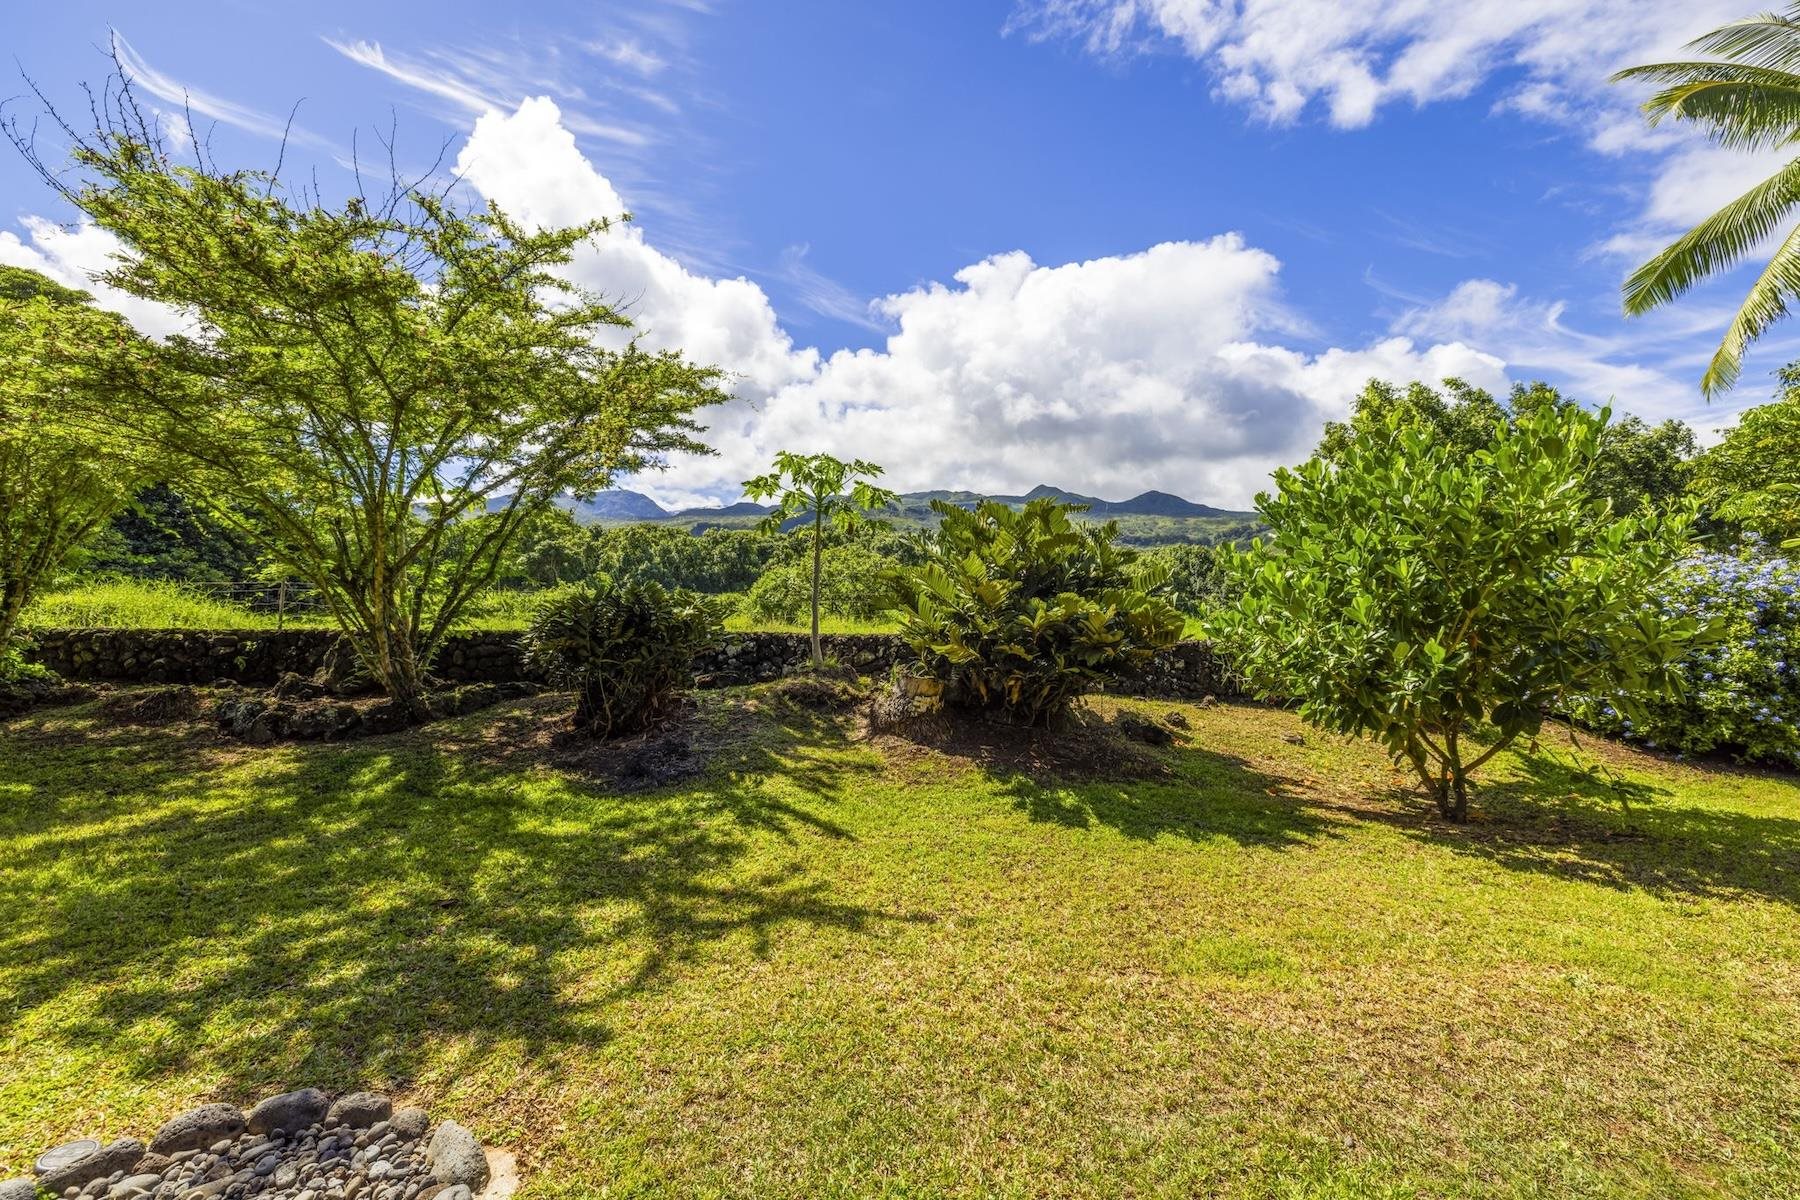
(830, 966)
(149, 604)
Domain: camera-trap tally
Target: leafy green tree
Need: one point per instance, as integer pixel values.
(824, 490)
(1022, 611)
(162, 534)
(856, 583)
(1751, 479)
(716, 560)
(1747, 97)
(1637, 463)
(380, 395)
(552, 548)
(1196, 584)
(65, 468)
(1444, 601)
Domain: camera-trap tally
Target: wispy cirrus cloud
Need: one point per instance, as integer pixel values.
(480, 82)
(822, 294)
(185, 100)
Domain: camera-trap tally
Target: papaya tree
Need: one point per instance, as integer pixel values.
(1444, 602)
(380, 395)
(824, 491)
(65, 469)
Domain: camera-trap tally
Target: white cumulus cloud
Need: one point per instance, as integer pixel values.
(1160, 369)
(73, 256)
(527, 161)
(1353, 56)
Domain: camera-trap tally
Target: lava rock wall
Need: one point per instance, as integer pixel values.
(1187, 670)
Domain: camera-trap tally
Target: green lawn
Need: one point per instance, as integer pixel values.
(835, 967)
(148, 604)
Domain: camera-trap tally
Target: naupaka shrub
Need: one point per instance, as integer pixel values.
(1444, 601)
(1019, 612)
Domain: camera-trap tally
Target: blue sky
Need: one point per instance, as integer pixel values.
(1109, 244)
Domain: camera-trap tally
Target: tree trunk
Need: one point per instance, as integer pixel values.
(1453, 789)
(1459, 789)
(818, 653)
(405, 682)
(12, 607)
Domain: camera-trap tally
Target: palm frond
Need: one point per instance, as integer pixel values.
(1747, 107)
(1766, 303)
(1716, 243)
(1740, 116)
(1765, 40)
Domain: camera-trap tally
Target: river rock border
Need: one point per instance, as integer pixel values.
(296, 1146)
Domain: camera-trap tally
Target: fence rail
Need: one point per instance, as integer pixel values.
(283, 597)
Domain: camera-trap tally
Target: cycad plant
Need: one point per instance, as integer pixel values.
(1748, 98)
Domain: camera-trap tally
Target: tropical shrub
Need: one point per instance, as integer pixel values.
(1444, 601)
(855, 582)
(625, 649)
(1020, 612)
(1742, 693)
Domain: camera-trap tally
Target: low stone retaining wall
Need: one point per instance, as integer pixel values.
(1188, 670)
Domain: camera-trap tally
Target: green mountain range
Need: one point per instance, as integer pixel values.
(1150, 518)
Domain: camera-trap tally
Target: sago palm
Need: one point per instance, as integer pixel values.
(1748, 97)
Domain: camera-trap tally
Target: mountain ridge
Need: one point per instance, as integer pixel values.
(622, 505)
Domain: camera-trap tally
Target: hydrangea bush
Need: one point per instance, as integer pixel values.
(1742, 691)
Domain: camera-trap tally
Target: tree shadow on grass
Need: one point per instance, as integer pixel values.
(1552, 817)
(1560, 819)
(348, 910)
(1089, 775)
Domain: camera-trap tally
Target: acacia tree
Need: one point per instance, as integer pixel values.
(824, 489)
(1445, 601)
(382, 394)
(63, 473)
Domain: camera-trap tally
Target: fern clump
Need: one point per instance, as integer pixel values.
(1020, 612)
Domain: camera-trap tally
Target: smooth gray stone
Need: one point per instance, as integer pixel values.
(455, 1157)
(121, 1155)
(359, 1110)
(290, 1112)
(198, 1128)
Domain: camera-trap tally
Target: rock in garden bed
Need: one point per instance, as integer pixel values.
(296, 1146)
(20, 696)
(300, 712)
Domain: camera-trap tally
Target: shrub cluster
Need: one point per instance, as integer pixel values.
(854, 582)
(626, 649)
(1020, 612)
(1741, 693)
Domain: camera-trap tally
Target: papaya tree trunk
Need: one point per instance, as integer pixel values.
(818, 653)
